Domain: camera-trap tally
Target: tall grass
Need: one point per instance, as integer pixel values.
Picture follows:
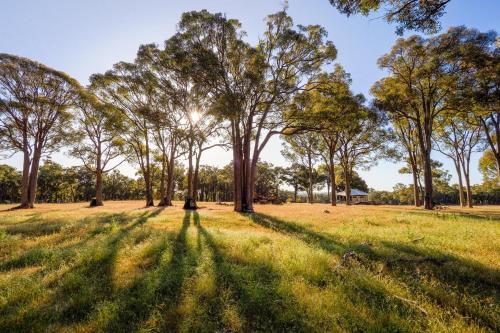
(290, 268)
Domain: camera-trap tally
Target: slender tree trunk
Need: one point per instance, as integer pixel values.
(347, 176)
(190, 203)
(416, 188)
(466, 169)
(295, 190)
(163, 189)
(460, 184)
(251, 184)
(34, 177)
(147, 174)
(237, 167)
(310, 198)
(428, 204)
(196, 176)
(167, 201)
(26, 174)
(333, 199)
(98, 179)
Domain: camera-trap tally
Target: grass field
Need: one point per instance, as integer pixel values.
(290, 268)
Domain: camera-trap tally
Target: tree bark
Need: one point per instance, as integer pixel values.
(416, 188)
(196, 176)
(237, 167)
(34, 177)
(466, 169)
(310, 197)
(428, 204)
(460, 184)
(347, 176)
(26, 174)
(190, 202)
(147, 175)
(98, 180)
(333, 198)
(167, 200)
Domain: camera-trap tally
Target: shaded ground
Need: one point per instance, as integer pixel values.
(290, 268)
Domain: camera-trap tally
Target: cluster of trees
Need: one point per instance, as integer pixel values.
(207, 87)
(442, 93)
(58, 184)
(205, 82)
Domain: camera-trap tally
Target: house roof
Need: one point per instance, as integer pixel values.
(354, 191)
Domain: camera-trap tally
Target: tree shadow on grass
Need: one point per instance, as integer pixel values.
(255, 287)
(75, 294)
(476, 286)
(152, 300)
(453, 215)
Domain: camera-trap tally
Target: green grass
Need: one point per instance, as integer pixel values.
(120, 268)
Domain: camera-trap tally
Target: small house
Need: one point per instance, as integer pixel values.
(357, 196)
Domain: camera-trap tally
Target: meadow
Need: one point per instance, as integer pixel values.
(288, 268)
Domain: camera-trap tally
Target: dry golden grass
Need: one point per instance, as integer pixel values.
(122, 267)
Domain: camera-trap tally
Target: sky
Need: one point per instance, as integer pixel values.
(86, 37)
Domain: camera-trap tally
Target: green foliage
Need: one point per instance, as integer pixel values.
(407, 14)
(10, 184)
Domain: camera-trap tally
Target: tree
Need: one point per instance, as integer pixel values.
(355, 182)
(360, 141)
(126, 87)
(488, 168)
(406, 134)
(425, 75)
(34, 114)
(295, 176)
(457, 138)
(323, 110)
(99, 145)
(420, 15)
(250, 87)
(301, 149)
(10, 184)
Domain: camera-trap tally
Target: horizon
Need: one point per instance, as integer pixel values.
(83, 39)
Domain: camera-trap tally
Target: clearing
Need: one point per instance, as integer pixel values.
(289, 268)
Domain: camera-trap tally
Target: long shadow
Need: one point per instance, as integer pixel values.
(450, 215)
(160, 289)
(414, 266)
(77, 292)
(256, 289)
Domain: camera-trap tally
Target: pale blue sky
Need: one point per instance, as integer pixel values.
(85, 37)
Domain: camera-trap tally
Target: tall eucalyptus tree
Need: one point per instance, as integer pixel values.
(35, 117)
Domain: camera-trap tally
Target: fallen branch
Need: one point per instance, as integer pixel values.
(415, 304)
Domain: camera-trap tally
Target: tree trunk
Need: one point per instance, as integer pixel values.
(237, 167)
(147, 175)
(98, 188)
(98, 179)
(250, 185)
(460, 184)
(189, 202)
(26, 174)
(310, 197)
(167, 200)
(34, 177)
(347, 176)
(333, 199)
(466, 169)
(196, 176)
(163, 189)
(428, 204)
(416, 188)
